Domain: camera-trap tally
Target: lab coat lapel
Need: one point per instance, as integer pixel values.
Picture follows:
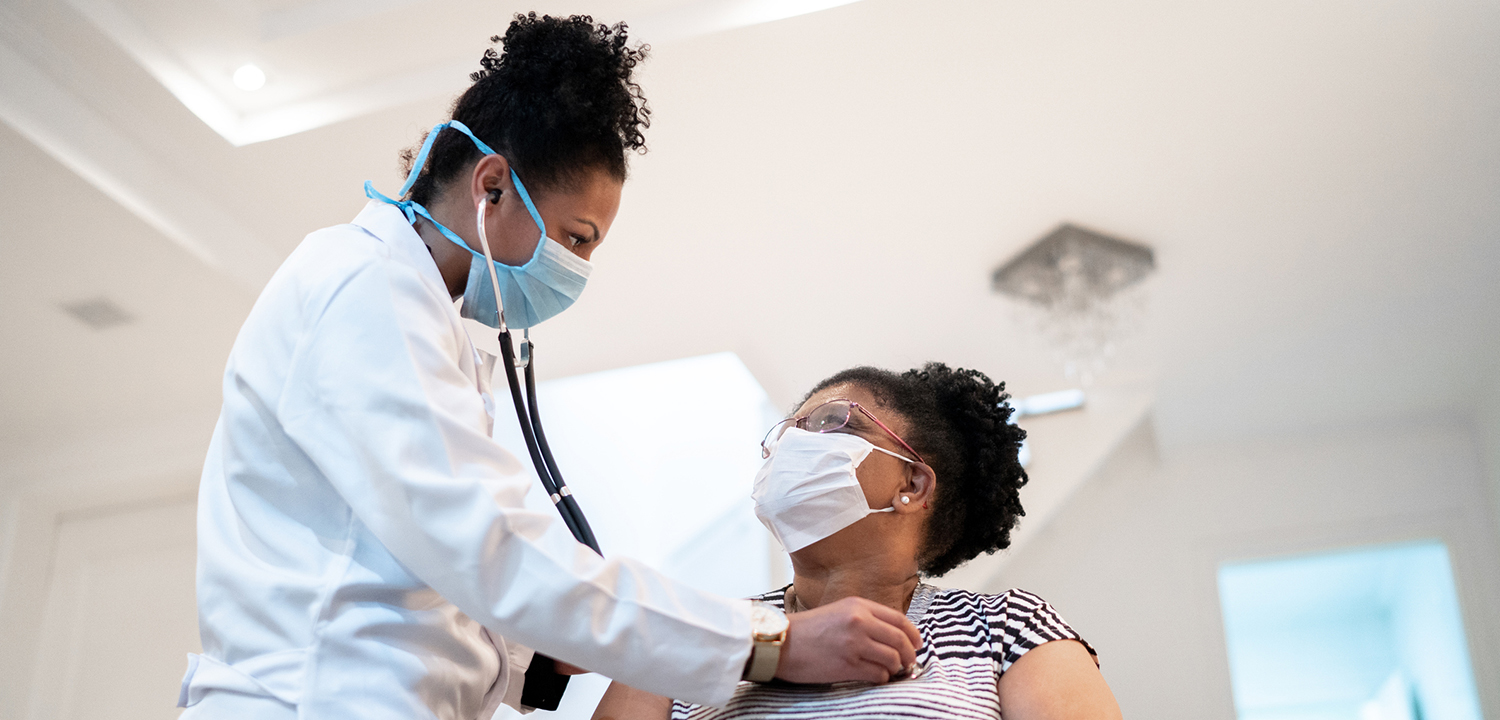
(389, 225)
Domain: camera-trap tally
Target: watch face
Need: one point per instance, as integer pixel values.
(767, 621)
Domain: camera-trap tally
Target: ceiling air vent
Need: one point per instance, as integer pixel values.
(99, 313)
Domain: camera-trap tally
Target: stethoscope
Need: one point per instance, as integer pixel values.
(526, 412)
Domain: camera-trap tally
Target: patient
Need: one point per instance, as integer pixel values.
(937, 484)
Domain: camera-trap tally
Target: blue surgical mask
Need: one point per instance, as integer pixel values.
(544, 286)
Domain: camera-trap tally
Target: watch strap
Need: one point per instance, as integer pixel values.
(765, 656)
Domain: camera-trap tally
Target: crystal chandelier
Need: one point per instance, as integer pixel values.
(1081, 290)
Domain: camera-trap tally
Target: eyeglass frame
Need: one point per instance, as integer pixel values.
(796, 422)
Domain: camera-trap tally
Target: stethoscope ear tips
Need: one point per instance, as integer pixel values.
(494, 197)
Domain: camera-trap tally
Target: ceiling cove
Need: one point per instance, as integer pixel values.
(193, 49)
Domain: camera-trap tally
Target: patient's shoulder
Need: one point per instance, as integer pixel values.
(1009, 623)
(1012, 601)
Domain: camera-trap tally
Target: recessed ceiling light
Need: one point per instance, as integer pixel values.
(249, 77)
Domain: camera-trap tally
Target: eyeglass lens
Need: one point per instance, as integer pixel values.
(827, 417)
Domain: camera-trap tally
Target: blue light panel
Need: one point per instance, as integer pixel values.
(1370, 634)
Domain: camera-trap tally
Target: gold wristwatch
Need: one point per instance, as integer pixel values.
(768, 626)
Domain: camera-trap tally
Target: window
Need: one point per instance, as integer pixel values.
(661, 458)
(1369, 634)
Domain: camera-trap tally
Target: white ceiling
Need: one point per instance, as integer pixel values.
(1320, 183)
(305, 46)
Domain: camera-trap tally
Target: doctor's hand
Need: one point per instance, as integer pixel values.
(851, 639)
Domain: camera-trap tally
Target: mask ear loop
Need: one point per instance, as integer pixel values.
(904, 500)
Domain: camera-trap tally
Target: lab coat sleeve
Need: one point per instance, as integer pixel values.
(376, 398)
(519, 658)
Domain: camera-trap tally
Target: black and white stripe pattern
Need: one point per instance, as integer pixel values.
(970, 640)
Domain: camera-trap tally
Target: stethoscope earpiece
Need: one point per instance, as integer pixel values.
(526, 413)
(526, 409)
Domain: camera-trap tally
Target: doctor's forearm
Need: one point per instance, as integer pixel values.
(622, 702)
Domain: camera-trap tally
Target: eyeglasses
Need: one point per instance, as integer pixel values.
(828, 417)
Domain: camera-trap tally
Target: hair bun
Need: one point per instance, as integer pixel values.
(547, 49)
(555, 97)
(576, 68)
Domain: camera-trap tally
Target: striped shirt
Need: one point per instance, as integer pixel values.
(970, 640)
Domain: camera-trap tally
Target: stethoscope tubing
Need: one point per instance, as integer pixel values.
(530, 421)
(586, 533)
(527, 415)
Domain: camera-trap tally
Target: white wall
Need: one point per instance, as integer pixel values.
(1132, 561)
(1488, 432)
(75, 525)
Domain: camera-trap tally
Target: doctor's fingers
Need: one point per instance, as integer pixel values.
(879, 662)
(871, 622)
(869, 672)
(889, 647)
(898, 623)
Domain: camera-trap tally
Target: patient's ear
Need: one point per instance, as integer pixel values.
(917, 492)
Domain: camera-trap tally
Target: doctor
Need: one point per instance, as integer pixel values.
(363, 551)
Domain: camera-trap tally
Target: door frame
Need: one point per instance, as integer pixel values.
(31, 523)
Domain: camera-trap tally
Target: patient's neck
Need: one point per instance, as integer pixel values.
(886, 576)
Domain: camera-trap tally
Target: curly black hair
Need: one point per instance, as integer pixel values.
(959, 422)
(558, 101)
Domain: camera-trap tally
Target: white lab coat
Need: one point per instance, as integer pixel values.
(363, 551)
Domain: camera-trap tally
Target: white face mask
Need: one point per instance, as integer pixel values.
(807, 490)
